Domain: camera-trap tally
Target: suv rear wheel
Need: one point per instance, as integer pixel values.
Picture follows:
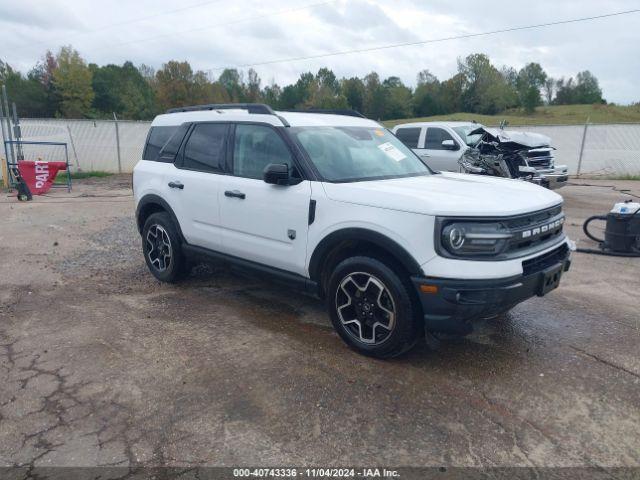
(370, 308)
(161, 248)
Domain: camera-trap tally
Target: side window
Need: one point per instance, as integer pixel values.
(170, 150)
(255, 147)
(205, 147)
(156, 139)
(435, 137)
(409, 136)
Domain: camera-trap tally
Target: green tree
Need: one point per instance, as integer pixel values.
(231, 80)
(354, 91)
(42, 72)
(326, 79)
(28, 93)
(585, 89)
(289, 98)
(427, 96)
(271, 95)
(306, 87)
(549, 90)
(173, 84)
(325, 93)
(451, 94)
(375, 98)
(72, 81)
(485, 90)
(565, 92)
(177, 85)
(530, 81)
(588, 89)
(398, 99)
(252, 89)
(123, 90)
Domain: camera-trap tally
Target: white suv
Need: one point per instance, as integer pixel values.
(338, 206)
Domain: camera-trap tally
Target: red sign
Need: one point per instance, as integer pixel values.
(39, 175)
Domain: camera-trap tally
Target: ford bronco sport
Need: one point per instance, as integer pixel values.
(335, 204)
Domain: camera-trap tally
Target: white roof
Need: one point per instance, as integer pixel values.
(295, 119)
(438, 124)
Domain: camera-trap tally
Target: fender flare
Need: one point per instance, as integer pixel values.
(152, 199)
(361, 234)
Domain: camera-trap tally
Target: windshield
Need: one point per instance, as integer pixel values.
(470, 140)
(343, 154)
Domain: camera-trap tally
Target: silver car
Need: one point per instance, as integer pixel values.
(469, 147)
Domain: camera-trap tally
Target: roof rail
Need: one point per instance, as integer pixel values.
(340, 111)
(252, 108)
(256, 108)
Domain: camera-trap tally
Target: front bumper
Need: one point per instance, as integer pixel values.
(452, 304)
(552, 178)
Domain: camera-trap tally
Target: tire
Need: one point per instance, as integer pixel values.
(371, 308)
(162, 248)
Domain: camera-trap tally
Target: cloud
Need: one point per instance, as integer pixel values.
(218, 34)
(32, 15)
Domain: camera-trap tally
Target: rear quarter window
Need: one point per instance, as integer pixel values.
(205, 148)
(156, 139)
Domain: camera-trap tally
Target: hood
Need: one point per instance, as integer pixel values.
(525, 139)
(454, 194)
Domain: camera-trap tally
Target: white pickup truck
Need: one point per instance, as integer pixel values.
(469, 147)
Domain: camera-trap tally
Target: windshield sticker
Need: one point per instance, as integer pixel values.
(379, 133)
(391, 151)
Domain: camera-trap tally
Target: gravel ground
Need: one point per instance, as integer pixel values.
(100, 365)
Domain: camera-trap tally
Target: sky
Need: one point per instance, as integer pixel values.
(215, 34)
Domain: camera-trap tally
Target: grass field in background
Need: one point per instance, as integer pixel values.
(62, 175)
(551, 115)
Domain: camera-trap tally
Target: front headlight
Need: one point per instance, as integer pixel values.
(475, 238)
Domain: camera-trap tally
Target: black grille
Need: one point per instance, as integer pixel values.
(534, 218)
(535, 230)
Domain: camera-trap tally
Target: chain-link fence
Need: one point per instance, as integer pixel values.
(104, 145)
(612, 149)
(93, 144)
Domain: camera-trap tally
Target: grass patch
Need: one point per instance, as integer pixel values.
(62, 176)
(548, 115)
(626, 177)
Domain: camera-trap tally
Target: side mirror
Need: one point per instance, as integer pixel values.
(450, 145)
(276, 174)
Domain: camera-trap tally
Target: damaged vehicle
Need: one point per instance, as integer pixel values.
(469, 147)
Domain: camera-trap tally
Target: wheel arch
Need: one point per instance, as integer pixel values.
(343, 243)
(150, 204)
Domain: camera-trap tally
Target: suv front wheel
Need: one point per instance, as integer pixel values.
(371, 308)
(161, 248)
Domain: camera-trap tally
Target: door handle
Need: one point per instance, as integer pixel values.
(425, 155)
(235, 194)
(177, 185)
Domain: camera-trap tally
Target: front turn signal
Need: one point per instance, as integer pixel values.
(431, 289)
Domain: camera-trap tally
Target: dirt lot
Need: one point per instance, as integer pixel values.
(102, 365)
